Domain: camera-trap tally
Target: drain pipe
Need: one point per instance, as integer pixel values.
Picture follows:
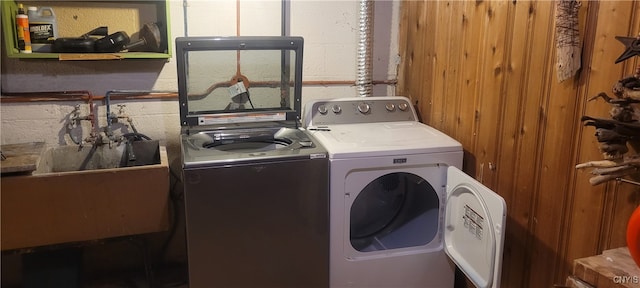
(364, 80)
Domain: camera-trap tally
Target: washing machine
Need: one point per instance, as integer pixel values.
(255, 183)
(402, 213)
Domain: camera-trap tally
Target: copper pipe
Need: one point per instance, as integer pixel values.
(94, 127)
(15, 97)
(275, 84)
(238, 74)
(142, 95)
(22, 97)
(346, 82)
(238, 22)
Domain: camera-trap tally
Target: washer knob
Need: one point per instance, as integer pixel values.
(403, 106)
(390, 107)
(364, 108)
(336, 109)
(322, 109)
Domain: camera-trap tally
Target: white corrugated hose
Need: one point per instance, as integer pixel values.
(364, 80)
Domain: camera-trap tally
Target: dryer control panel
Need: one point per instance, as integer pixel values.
(359, 110)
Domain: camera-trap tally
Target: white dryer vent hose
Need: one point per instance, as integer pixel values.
(364, 80)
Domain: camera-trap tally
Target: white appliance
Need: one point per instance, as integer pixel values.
(402, 213)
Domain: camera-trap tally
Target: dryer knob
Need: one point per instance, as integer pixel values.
(390, 107)
(336, 109)
(403, 106)
(364, 108)
(322, 109)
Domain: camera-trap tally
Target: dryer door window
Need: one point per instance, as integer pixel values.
(392, 212)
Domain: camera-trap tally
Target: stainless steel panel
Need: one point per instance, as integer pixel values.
(258, 225)
(247, 146)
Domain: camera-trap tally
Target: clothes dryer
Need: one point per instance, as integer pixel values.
(402, 213)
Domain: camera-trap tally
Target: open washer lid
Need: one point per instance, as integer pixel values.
(230, 80)
(474, 228)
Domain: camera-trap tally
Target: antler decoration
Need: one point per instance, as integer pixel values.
(613, 134)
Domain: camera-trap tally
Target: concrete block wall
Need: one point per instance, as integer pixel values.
(329, 27)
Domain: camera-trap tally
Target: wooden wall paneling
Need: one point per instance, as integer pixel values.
(412, 62)
(532, 119)
(424, 78)
(554, 214)
(437, 85)
(403, 46)
(557, 164)
(407, 46)
(590, 212)
(578, 241)
(452, 71)
(443, 72)
(418, 56)
(465, 82)
(445, 99)
(585, 149)
(515, 77)
(555, 161)
(472, 35)
(491, 93)
(619, 205)
(625, 197)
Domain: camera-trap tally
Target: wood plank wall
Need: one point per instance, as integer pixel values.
(483, 72)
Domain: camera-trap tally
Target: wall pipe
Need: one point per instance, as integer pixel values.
(365, 49)
(130, 94)
(24, 97)
(9, 97)
(285, 25)
(185, 17)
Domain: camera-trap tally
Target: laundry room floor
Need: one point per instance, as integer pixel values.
(170, 277)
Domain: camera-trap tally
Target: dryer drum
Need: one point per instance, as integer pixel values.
(376, 206)
(386, 206)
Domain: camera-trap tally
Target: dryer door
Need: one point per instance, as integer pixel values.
(474, 228)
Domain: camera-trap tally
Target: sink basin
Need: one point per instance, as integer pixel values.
(74, 158)
(81, 194)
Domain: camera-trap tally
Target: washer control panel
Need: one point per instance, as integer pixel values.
(359, 110)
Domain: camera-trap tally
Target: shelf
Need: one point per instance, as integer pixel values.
(68, 11)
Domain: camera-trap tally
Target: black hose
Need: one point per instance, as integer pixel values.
(136, 136)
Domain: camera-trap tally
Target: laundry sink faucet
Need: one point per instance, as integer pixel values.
(75, 120)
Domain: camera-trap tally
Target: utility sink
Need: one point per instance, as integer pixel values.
(81, 194)
(74, 158)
